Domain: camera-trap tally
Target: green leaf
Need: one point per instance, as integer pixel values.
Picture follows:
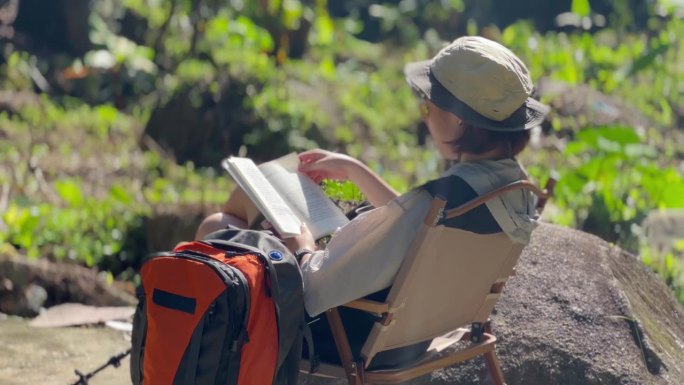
(581, 7)
(107, 113)
(120, 194)
(647, 60)
(70, 191)
(193, 70)
(327, 68)
(609, 139)
(622, 135)
(673, 193)
(324, 30)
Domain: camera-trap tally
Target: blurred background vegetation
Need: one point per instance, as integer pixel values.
(114, 113)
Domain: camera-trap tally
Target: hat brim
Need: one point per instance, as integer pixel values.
(421, 79)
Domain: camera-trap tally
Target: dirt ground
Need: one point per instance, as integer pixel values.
(49, 356)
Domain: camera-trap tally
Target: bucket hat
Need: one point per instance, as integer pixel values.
(480, 81)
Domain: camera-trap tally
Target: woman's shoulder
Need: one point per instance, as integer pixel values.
(452, 188)
(456, 191)
(486, 175)
(507, 167)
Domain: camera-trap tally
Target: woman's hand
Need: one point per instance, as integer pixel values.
(302, 241)
(321, 164)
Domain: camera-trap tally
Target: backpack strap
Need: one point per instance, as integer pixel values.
(272, 278)
(284, 281)
(313, 357)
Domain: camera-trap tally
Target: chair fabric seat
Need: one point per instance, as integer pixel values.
(358, 323)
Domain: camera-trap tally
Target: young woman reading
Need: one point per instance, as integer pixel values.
(475, 97)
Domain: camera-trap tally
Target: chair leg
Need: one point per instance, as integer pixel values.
(492, 360)
(343, 348)
(494, 368)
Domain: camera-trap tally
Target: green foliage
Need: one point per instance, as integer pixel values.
(169, 184)
(83, 229)
(609, 180)
(79, 182)
(668, 265)
(71, 194)
(343, 191)
(581, 7)
(611, 177)
(612, 169)
(642, 69)
(117, 50)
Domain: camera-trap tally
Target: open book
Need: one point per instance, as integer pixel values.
(286, 197)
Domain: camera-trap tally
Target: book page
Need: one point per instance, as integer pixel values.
(264, 195)
(306, 198)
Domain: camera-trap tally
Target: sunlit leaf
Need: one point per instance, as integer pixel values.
(597, 137)
(673, 191)
(120, 194)
(324, 30)
(327, 67)
(581, 7)
(69, 191)
(194, 70)
(107, 113)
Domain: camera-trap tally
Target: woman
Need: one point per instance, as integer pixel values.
(475, 101)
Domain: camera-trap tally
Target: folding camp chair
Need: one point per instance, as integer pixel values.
(448, 283)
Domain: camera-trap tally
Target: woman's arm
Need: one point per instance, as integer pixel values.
(321, 164)
(238, 211)
(302, 241)
(363, 256)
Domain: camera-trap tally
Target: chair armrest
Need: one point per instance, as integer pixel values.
(368, 306)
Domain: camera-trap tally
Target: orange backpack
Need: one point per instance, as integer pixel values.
(224, 310)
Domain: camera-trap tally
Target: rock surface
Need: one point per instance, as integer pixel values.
(579, 311)
(581, 106)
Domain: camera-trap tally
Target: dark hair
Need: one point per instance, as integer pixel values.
(476, 140)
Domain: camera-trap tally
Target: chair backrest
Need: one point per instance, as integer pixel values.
(450, 278)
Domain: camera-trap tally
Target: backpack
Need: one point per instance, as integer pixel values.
(224, 310)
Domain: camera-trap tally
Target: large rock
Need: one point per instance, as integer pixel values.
(581, 106)
(579, 311)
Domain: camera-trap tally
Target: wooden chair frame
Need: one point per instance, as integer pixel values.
(482, 344)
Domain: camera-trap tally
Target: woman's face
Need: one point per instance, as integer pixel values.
(444, 128)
